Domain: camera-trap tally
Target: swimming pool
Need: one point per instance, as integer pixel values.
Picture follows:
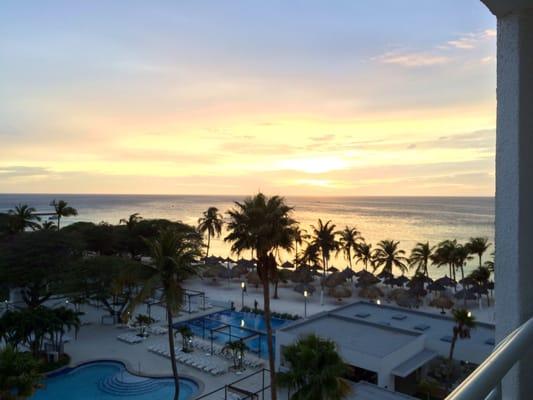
(225, 326)
(107, 380)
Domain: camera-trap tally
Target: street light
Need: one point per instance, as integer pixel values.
(243, 287)
(306, 293)
(378, 302)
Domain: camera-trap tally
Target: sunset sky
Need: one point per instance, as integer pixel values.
(308, 97)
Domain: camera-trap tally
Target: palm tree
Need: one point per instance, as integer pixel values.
(299, 235)
(23, 216)
(420, 257)
(324, 238)
(464, 322)
(364, 254)
(478, 246)
(236, 349)
(62, 209)
(315, 370)
(444, 255)
(211, 222)
(132, 220)
(265, 225)
(460, 255)
(388, 255)
(310, 255)
(481, 276)
(173, 253)
(48, 226)
(348, 238)
(19, 374)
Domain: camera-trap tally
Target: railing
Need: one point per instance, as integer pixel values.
(256, 387)
(485, 381)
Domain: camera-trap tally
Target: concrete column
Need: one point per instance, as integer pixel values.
(514, 181)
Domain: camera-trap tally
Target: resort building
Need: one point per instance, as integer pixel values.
(388, 346)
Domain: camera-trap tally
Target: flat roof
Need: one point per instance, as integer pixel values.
(415, 362)
(367, 391)
(434, 326)
(359, 336)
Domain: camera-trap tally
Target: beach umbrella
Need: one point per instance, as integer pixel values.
(385, 275)
(468, 281)
(302, 287)
(238, 270)
(435, 287)
(442, 302)
(348, 273)
(334, 279)
(446, 281)
(332, 269)
(394, 294)
(402, 280)
(287, 265)
(371, 292)
(461, 294)
(407, 300)
(478, 290)
(340, 292)
(211, 260)
(392, 282)
(367, 280)
(229, 260)
(363, 272)
(248, 264)
(253, 278)
(284, 275)
(490, 285)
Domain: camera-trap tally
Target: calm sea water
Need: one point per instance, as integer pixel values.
(407, 219)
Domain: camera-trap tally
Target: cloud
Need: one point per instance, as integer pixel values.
(472, 40)
(413, 59)
(17, 171)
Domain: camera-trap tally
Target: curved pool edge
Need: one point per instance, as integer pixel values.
(128, 366)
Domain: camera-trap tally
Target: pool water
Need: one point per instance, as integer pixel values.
(234, 325)
(109, 380)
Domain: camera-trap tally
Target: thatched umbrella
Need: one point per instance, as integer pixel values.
(435, 287)
(407, 300)
(239, 270)
(371, 292)
(367, 280)
(253, 278)
(335, 279)
(304, 287)
(465, 294)
(446, 281)
(394, 294)
(442, 302)
(285, 275)
(287, 265)
(363, 272)
(347, 273)
(248, 264)
(332, 269)
(302, 275)
(402, 280)
(392, 281)
(340, 292)
(385, 275)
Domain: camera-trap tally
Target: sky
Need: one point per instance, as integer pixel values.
(301, 97)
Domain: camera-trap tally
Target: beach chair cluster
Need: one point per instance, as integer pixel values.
(130, 338)
(204, 363)
(249, 361)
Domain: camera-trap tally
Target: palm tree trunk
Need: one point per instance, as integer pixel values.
(276, 289)
(58, 221)
(450, 356)
(173, 355)
(208, 244)
(268, 323)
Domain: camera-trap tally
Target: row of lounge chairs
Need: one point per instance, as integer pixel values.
(204, 345)
(130, 338)
(204, 363)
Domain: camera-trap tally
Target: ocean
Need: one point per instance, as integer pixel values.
(407, 219)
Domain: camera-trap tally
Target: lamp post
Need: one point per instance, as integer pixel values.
(243, 287)
(306, 293)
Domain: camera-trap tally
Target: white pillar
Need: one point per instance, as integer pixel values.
(514, 181)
